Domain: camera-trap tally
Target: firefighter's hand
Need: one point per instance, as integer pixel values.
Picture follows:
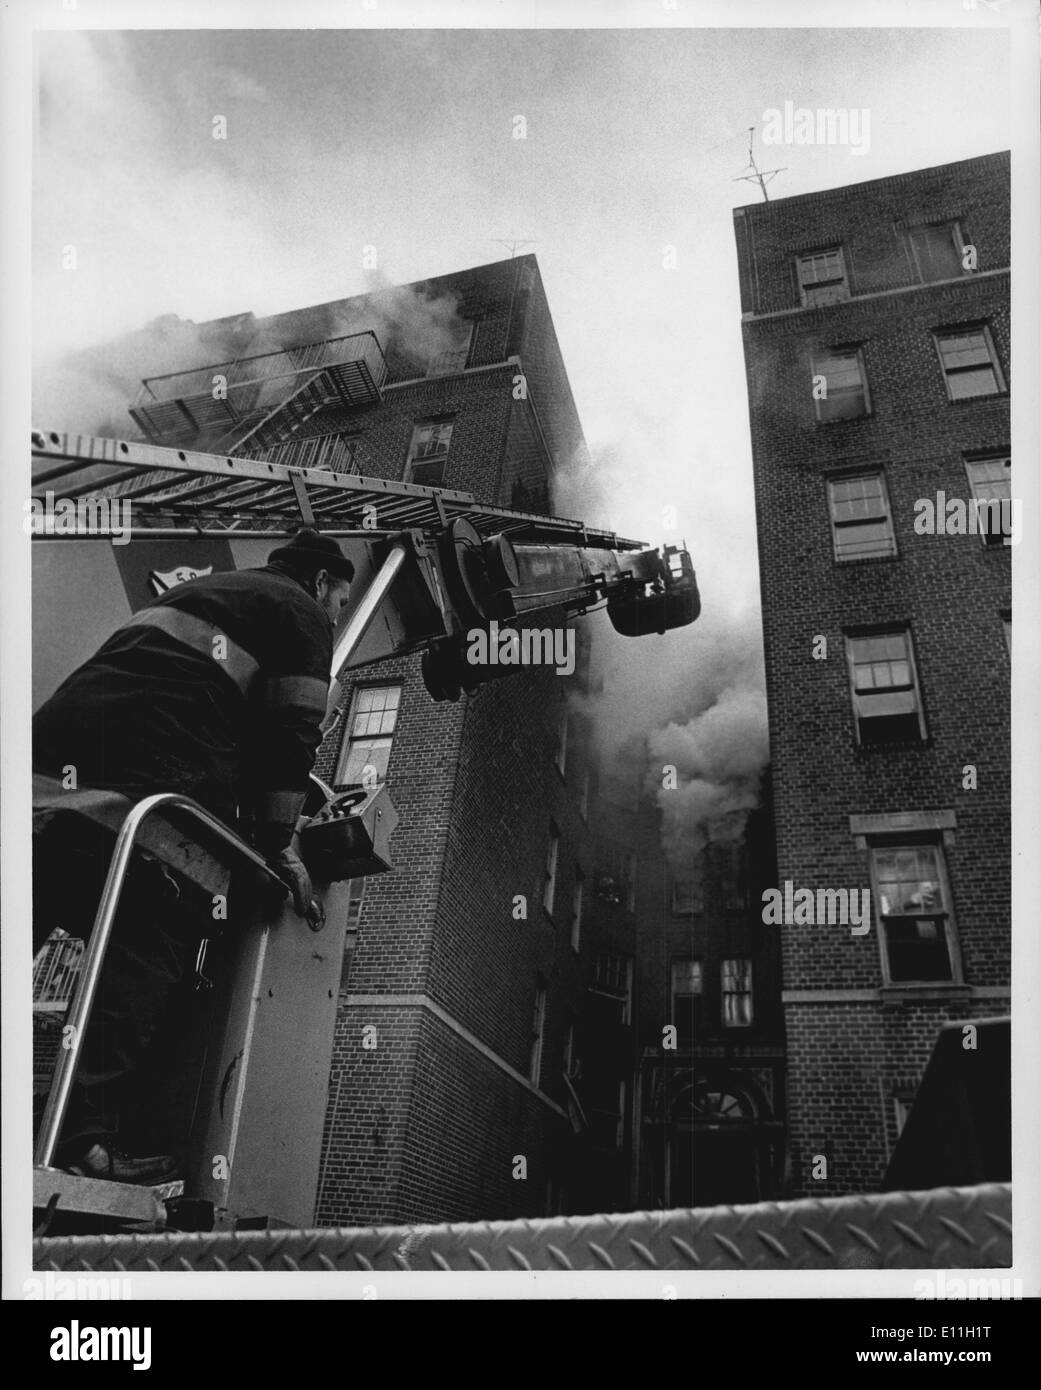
(288, 864)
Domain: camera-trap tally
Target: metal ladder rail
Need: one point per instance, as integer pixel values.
(97, 947)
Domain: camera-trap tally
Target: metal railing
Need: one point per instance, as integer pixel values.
(327, 451)
(265, 366)
(97, 947)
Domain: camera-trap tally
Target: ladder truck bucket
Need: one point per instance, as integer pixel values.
(669, 599)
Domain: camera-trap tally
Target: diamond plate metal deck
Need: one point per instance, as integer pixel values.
(949, 1228)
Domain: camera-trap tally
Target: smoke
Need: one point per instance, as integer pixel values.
(139, 212)
(718, 756)
(692, 699)
(88, 391)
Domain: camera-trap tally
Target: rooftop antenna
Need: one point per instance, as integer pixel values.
(757, 175)
(514, 246)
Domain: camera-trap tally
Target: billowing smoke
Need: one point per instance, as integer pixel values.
(89, 391)
(718, 756)
(150, 237)
(692, 699)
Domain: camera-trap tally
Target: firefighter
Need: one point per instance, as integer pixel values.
(217, 690)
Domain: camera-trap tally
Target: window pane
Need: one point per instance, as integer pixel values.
(964, 350)
(833, 293)
(366, 752)
(686, 977)
(864, 538)
(976, 382)
(839, 371)
(825, 265)
(917, 950)
(936, 252)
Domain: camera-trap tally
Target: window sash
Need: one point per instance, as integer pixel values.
(937, 251)
(371, 724)
(917, 935)
(969, 363)
(430, 441)
(550, 886)
(736, 989)
(884, 685)
(687, 979)
(860, 517)
(846, 380)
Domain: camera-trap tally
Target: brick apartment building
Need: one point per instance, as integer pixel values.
(876, 332)
(490, 1092)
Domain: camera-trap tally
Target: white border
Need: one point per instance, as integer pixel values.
(16, 95)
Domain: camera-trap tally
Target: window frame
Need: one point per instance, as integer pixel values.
(862, 634)
(436, 362)
(560, 755)
(855, 350)
(957, 240)
(894, 843)
(577, 903)
(843, 279)
(699, 993)
(624, 993)
(551, 869)
(435, 456)
(969, 461)
(609, 857)
(538, 1032)
(347, 738)
(849, 476)
(748, 993)
(961, 330)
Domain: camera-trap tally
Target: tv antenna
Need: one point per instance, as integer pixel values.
(514, 246)
(757, 175)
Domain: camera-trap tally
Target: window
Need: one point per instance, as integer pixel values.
(370, 733)
(902, 1102)
(936, 251)
(970, 364)
(576, 908)
(56, 969)
(840, 386)
(991, 483)
(736, 982)
(686, 988)
(561, 754)
(687, 898)
(861, 526)
(616, 877)
(428, 453)
(1006, 625)
(538, 1029)
(914, 917)
(549, 887)
(822, 277)
(605, 1100)
(886, 700)
(614, 977)
(455, 358)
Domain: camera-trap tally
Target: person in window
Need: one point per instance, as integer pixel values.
(217, 690)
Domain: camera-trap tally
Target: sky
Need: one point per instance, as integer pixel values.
(623, 187)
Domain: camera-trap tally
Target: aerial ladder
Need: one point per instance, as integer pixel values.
(433, 567)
